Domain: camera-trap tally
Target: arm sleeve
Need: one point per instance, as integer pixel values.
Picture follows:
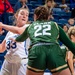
(23, 36)
(65, 40)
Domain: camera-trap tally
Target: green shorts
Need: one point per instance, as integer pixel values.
(46, 57)
(64, 51)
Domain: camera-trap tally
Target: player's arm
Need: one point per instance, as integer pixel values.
(65, 40)
(3, 46)
(23, 36)
(14, 29)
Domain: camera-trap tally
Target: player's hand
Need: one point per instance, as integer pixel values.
(3, 46)
(1, 30)
(1, 24)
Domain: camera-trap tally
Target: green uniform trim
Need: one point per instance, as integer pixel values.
(58, 68)
(34, 69)
(53, 70)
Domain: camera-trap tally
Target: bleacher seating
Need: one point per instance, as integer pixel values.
(59, 1)
(59, 13)
(66, 15)
(72, 4)
(29, 6)
(56, 16)
(31, 16)
(12, 2)
(36, 1)
(62, 21)
(11, 19)
(56, 10)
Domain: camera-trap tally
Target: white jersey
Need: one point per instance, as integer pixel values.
(14, 51)
(19, 48)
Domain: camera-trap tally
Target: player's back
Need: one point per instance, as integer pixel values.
(41, 31)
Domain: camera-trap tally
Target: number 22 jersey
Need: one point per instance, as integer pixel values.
(41, 31)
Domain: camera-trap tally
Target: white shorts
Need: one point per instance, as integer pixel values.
(22, 69)
(6, 68)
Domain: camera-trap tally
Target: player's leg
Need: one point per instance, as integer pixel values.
(6, 68)
(56, 62)
(70, 61)
(29, 72)
(37, 60)
(63, 72)
(23, 67)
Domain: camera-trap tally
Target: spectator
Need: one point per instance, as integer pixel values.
(5, 7)
(65, 28)
(64, 6)
(68, 55)
(5, 10)
(19, 4)
(71, 57)
(49, 4)
(70, 22)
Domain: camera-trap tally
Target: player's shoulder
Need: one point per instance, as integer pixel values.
(52, 22)
(9, 33)
(26, 25)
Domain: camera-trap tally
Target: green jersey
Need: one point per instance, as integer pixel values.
(41, 31)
